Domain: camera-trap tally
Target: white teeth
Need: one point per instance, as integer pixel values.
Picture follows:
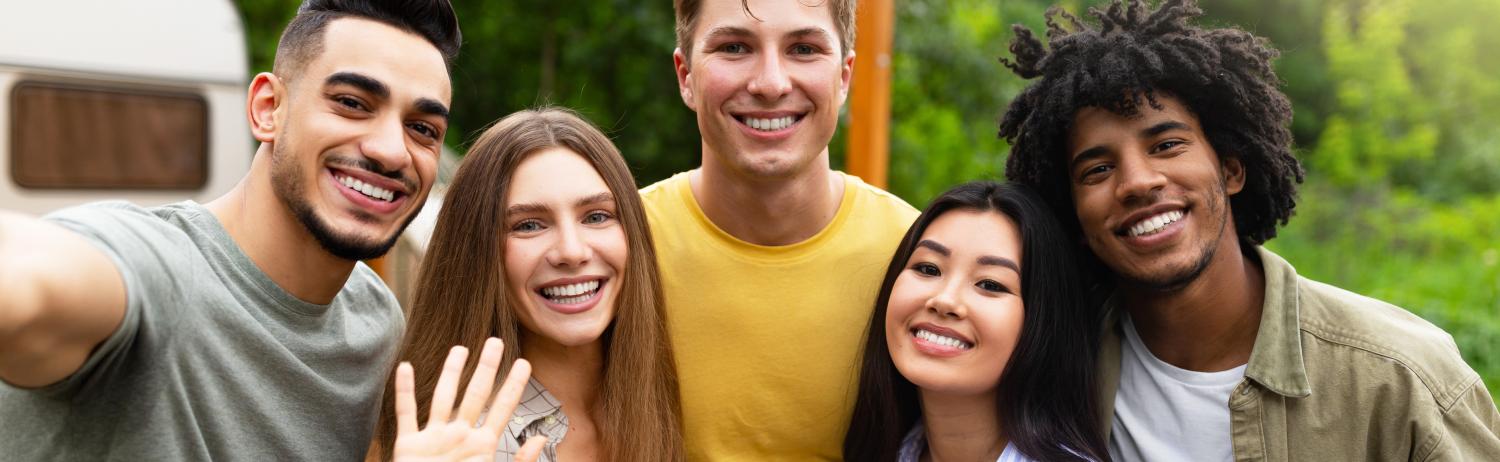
(1155, 224)
(571, 293)
(770, 125)
(367, 189)
(942, 340)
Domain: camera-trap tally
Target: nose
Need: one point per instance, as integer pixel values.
(947, 303)
(771, 80)
(1139, 179)
(569, 248)
(386, 145)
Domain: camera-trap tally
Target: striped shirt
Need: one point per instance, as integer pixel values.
(916, 441)
(538, 414)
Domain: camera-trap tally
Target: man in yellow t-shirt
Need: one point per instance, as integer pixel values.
(770, 260)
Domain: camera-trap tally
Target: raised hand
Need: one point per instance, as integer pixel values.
(462, 438)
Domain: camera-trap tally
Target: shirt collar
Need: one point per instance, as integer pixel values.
(535, 404)
(1276, 361)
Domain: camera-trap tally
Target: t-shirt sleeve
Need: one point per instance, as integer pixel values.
(140, 245)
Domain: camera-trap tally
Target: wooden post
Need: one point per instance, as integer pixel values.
(868, 154)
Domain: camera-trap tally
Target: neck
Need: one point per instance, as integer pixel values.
(1210, 324)
(769, 211)
(961, 428)
(262, 226)
(572, 374)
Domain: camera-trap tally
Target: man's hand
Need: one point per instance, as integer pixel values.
(454, 438)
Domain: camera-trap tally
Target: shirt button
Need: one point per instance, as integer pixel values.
(550, 420)
(518, 420)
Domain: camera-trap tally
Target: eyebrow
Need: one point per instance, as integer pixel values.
(363, 82)
(812, 32)
(540, 208)
(726, 31)
(983, 260)
(431, 106)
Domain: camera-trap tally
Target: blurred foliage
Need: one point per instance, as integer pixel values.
(1396, 116)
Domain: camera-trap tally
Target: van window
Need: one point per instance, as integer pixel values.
(88, 136)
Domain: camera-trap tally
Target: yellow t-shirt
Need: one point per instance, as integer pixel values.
(767, 338)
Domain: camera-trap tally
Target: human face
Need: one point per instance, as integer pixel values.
(955, 312)
(564, 247)
(766, 91)
(1150, 192)
(362, 132)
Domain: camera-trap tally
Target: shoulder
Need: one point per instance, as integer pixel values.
(1384, 332)
(366, 292)
(872, 203)
(659, 192)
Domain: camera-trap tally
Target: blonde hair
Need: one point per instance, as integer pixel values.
(687, 19)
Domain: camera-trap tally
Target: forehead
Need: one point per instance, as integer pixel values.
(1095, 125)
(406, 62)
(972, 233)
(554, 174)
(769, 16)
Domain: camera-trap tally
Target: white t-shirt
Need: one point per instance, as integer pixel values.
(1165, 413)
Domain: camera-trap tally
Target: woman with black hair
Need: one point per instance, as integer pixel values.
(981, 345)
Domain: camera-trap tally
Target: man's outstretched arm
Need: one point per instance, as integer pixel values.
(60, 297)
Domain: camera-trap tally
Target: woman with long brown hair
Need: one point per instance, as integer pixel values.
(542, 242)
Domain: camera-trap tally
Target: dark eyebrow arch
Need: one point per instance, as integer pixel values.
(1163, 128)
(1000, 261)
(360, 81)
(936, 247)
(431, 106)
(596, 199)
(812, 32)
(526, 208)
(726, 31)
(1087, 155)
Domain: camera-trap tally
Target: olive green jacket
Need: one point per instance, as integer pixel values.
(1338, 376)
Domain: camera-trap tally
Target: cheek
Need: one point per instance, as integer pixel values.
(612, 245)
(1001, 324)
(520, 260)
(907, 298)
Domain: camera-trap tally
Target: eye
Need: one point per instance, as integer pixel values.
(734, 48)
(926, 269)
(527, 226)
(803, 49)
(423, 129)
(992, 286)
(1094, 171)
(1168, 144)
(596, 217)
(350, 102)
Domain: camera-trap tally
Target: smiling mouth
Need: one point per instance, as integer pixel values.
(368, 190)
(940, 339)
(571, 294)
(1153, 224)
(771, 124)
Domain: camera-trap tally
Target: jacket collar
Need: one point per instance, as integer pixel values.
(1276, 361)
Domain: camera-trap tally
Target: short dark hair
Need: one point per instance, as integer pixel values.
(302, 40)
(1223, 76)
(1046, 399)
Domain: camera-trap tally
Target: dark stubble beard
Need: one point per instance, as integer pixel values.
(1176, 280)
(286, 182)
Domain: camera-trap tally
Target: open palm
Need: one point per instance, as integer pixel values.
(461, 437)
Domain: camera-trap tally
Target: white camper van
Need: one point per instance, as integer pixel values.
(142, 100)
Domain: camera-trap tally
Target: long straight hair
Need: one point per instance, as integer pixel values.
(1045, 399)
(462, 296)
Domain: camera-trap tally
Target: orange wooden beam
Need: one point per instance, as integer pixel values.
(868, 154)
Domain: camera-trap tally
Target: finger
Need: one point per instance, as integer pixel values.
(406, 401)
(532, 450)
(508, 396)
(447, 385)
(478, 393)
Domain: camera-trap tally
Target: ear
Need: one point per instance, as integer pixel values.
(1234, 174)
(684, 79)
(846, 75)
(265, 99)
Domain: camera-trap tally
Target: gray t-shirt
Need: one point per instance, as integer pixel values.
(213, 360)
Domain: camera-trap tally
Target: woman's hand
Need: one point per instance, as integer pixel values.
(461, 437)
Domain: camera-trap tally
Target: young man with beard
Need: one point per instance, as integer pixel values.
(244, 328)
(770, 259)
(1167, 148)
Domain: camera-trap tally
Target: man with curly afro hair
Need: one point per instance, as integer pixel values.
(1166, 149)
